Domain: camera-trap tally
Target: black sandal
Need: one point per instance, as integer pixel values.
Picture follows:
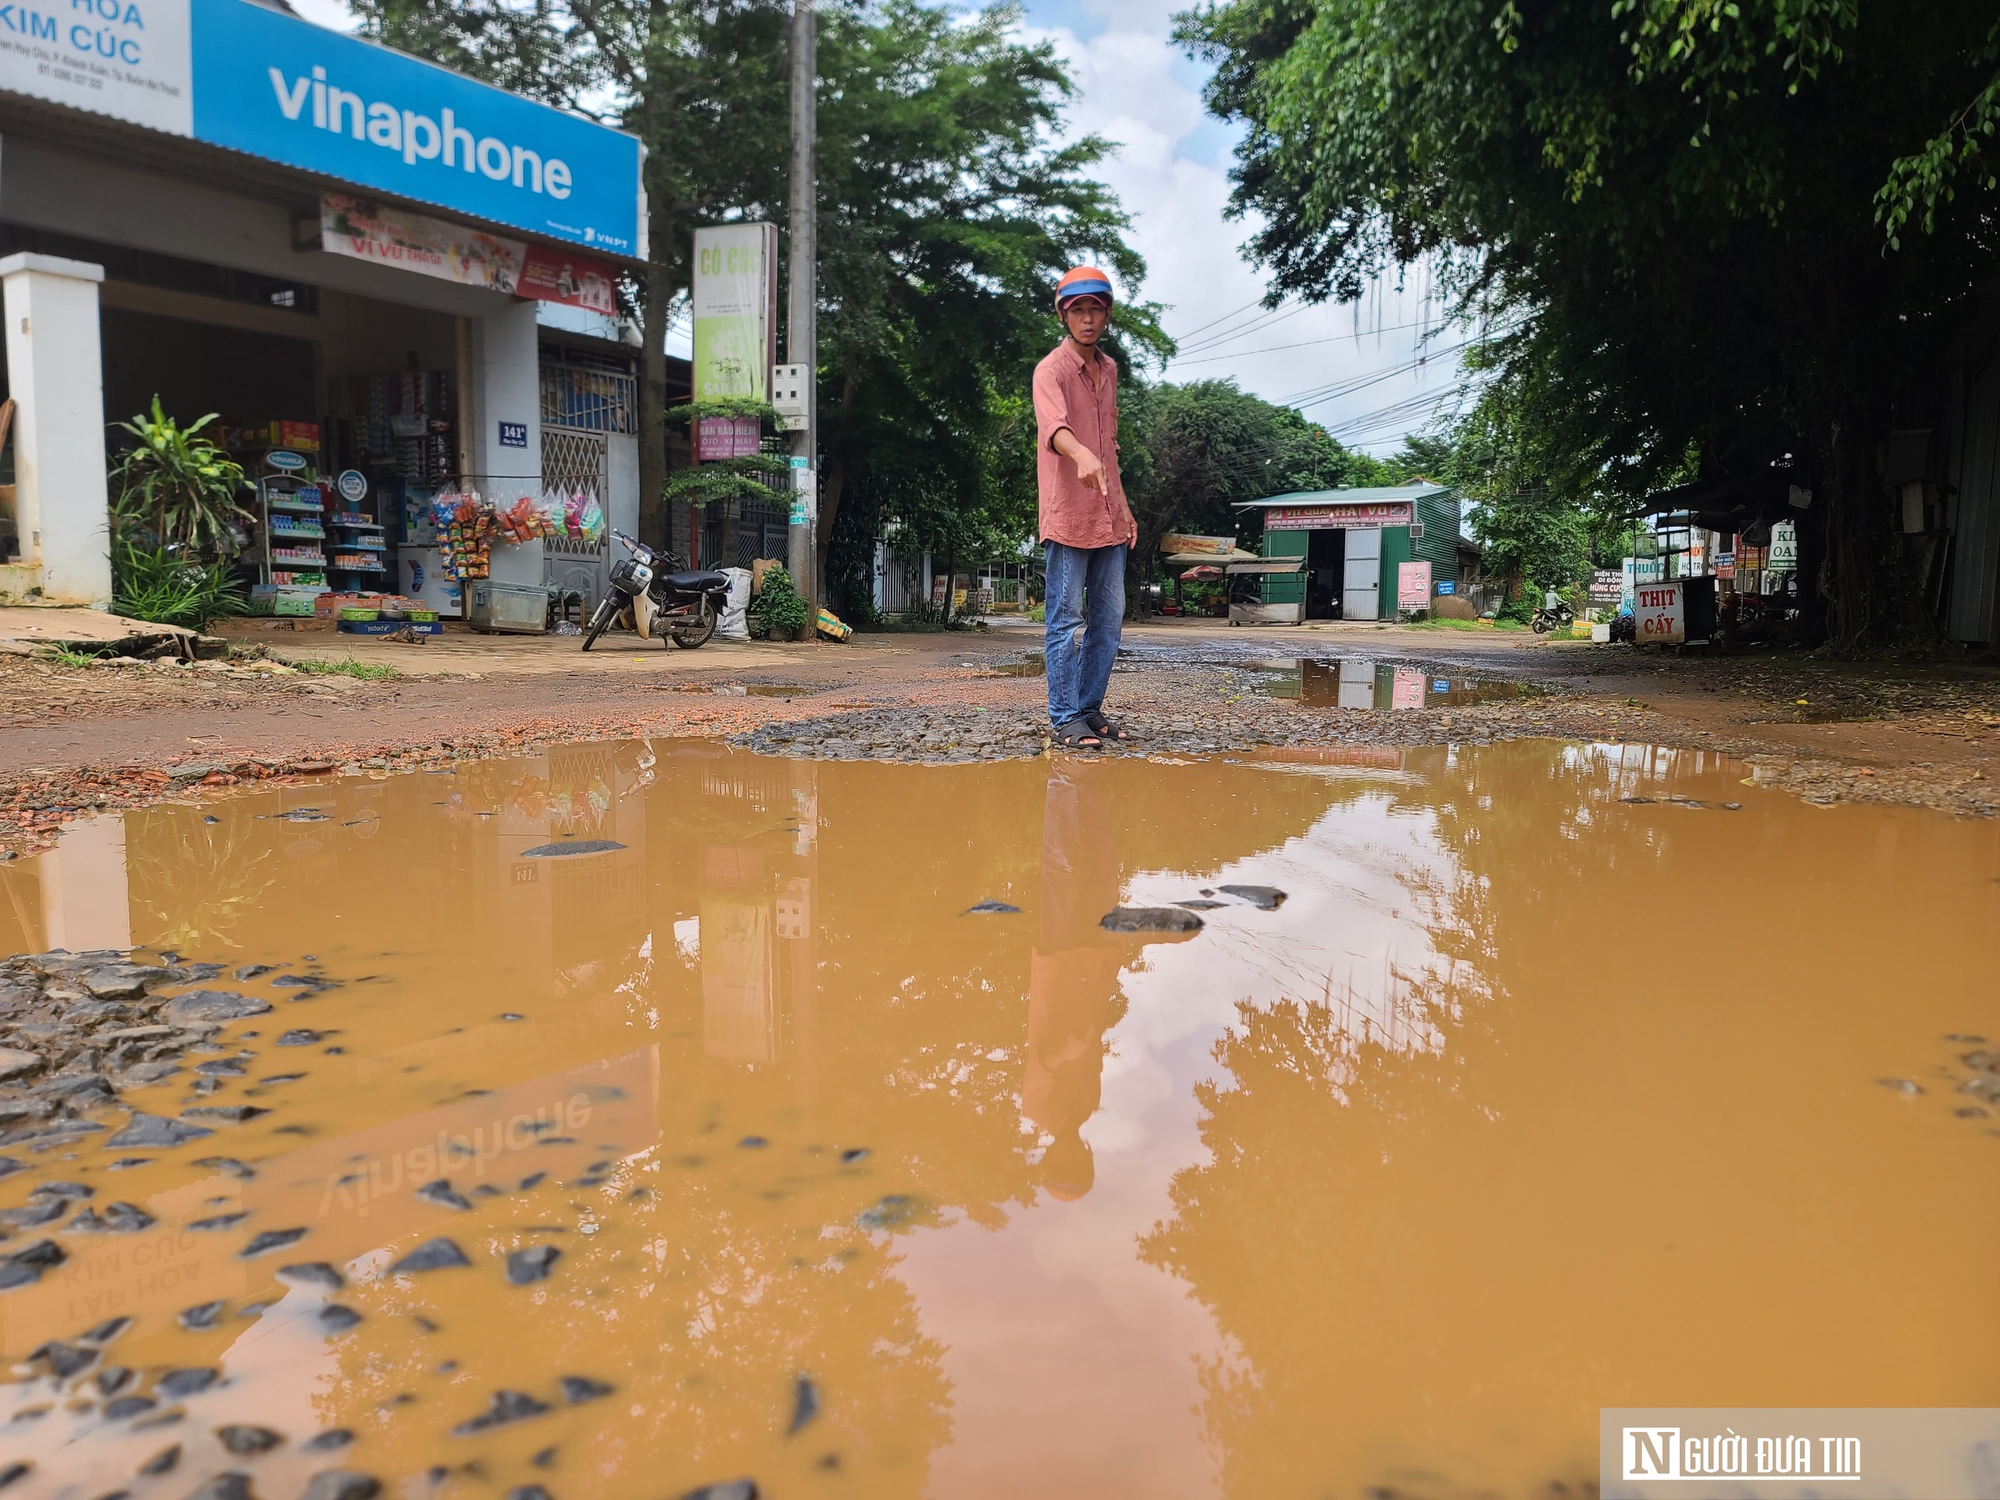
(1105, 728)
(1079, 734)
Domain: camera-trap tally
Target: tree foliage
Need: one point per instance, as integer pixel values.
(948, 208)
(1693, 215)
(703, 83)
(1199, 450)
(176, 488)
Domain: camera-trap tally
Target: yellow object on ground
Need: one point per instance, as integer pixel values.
(832, 626)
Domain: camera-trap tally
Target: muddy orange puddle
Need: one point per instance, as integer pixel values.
(1528, 1100)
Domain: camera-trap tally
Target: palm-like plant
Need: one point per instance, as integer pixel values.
(178, 485)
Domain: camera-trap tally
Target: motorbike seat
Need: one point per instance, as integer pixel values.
(698, 581)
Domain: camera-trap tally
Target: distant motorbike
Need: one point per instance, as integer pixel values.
(685, 605)
(1559, 618)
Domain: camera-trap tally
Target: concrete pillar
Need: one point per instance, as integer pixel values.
(507, 401)
(56, 373)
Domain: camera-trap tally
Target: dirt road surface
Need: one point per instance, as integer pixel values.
(75, 739)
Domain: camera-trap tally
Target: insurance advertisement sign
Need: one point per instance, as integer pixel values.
(255, 80)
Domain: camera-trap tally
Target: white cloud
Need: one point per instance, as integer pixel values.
(1132, 89)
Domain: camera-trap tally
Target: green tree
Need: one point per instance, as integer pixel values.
(1695, 216)
(1205, 447)
(948, 208)
(703, 83)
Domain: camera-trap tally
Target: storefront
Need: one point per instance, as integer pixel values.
(1366, 553)
(366, 266)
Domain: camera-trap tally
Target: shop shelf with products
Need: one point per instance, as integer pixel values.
(291, 561)
(360, 546)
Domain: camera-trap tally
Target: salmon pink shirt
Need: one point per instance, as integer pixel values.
(1065, 396)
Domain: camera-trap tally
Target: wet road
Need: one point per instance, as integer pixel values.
(1555, 1081)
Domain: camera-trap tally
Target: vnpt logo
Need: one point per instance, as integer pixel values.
(1663, 1453)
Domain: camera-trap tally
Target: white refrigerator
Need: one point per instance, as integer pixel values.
(420, 576)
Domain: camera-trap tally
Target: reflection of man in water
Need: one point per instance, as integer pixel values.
(1073, 996)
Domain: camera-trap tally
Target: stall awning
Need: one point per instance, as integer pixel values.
(1269, 565)
(1207, 559)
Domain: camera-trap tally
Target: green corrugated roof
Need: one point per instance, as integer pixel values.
(1379, 495)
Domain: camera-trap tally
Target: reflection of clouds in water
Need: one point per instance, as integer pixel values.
(283, 1372)
(1061, 1275)
(1348, 935)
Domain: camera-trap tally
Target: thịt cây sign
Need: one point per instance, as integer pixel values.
(1659, 614)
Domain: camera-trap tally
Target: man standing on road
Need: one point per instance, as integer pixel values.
(1085, 522)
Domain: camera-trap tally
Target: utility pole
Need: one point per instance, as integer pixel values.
(802, 324)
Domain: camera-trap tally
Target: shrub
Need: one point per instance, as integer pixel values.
(152, 583)
(779, 606)
(177, 488)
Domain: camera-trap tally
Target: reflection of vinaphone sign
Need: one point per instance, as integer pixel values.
(354, 1194)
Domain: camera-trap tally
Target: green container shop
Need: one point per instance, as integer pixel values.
(1350, 546)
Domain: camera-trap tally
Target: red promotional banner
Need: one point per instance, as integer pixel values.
(552, 275)
(1337, 517)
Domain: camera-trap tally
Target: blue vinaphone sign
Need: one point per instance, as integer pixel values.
(239, 75)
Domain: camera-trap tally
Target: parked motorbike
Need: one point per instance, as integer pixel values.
(1559, 618)
(685, 604)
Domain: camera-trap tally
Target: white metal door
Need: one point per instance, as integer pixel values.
(1361, 580)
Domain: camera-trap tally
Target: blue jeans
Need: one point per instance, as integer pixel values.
(1086, 609)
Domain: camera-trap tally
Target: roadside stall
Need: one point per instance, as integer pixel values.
(1192, 559)
(1722, 561)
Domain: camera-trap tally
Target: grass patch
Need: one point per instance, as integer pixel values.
(360, 671)
(1466, 625)
(62, 656)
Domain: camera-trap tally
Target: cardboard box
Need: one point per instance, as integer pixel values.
(282, 599)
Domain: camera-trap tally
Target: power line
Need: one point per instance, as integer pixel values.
(1254, 325)
(1332, 338)
(1209, 359)
(1223, 319)
(1319, 395)
(1394, 416)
